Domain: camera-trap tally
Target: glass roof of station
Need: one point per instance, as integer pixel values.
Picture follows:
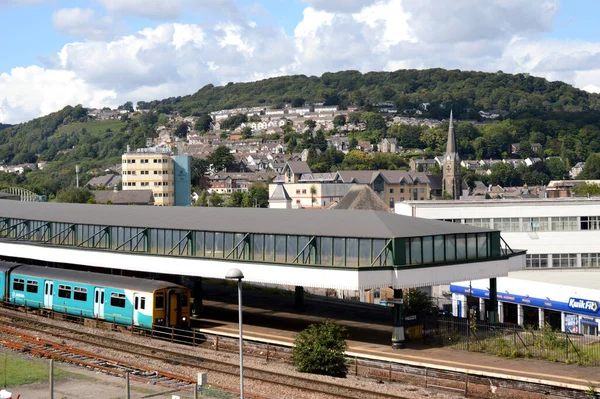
(308, 237)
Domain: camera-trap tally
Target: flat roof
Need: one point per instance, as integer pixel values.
(507, 202)
(341, 223)
(580, 278)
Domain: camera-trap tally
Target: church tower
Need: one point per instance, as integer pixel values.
(451, 183)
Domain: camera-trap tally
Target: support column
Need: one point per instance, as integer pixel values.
(494, 305)
(299, 297)
(464, 308)
(398, 340)
(500, 312)
(562, 321)
(482, 309)
(520, 317)
(197, 294)
(541, 318)
(454, 305)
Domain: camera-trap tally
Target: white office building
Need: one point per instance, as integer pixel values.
(562, 238)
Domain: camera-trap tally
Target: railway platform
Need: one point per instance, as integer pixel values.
(272, 317)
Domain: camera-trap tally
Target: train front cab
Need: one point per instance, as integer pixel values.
(172, 307)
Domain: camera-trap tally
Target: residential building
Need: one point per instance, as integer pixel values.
(151, 170)
(421, 165)
(227, 183)
(388, 145)
(576, 170)
(392, 186)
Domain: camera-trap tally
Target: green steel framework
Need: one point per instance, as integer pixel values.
(271, 248)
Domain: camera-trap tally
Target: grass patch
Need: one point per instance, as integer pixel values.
(15, 371)
(92, 127)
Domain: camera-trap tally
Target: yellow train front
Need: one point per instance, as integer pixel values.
(171, 307)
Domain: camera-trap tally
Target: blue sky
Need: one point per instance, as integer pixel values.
(106, 52)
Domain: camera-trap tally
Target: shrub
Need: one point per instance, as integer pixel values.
(320, 348)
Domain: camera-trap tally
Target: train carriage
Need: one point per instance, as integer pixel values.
(118, 299)
(4, 269)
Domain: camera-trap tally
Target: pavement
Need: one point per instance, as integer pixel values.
(271, 316)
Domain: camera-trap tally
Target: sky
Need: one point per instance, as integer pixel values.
(106, 52)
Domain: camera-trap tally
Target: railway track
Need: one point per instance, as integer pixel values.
(47, 348)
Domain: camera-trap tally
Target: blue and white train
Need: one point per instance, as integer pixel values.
(118, 299)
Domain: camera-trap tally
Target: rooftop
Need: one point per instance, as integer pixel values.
(356, 223)
(580, 278)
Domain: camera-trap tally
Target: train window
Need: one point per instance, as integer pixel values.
(142, 303)
(80, 294)
(117, 300)
(160, 302)
(32, 286)
(184, 301)
(18, 284)
(64, 291)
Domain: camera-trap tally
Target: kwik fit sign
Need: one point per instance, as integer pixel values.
(583, 305)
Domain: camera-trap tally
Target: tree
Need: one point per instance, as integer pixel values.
(234, 121)
(557, 169)
(504, 174)
(76, 195)
(313, 192)
(235, 199)
(591, 170)
(320, 349)
(128, 106)
(198, 168)
(215, 199)
(339, 120)
(417, 302)
(222, 159)
(587, 189)
(357, 160)
(258, 196)
(246, 132)
(202, 199)
(309, 123)
(298, 102)
(182, 129)
(203, 123)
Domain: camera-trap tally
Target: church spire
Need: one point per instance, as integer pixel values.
(451, 145)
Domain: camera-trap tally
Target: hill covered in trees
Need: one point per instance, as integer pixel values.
(563, 120)
(464, 91)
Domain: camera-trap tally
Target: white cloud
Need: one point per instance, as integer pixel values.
(339, 6)
(29, 92)
(84, 23)
(154, 9)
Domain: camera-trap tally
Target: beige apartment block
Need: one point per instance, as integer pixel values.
(150, 171)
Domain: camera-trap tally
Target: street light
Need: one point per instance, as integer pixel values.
(236, 274)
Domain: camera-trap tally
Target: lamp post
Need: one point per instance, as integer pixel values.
(236, 274)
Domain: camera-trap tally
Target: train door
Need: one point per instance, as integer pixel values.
(99, 303)
(136, 309)
(48, 292)
(173, 308)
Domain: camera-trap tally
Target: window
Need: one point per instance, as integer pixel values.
(565, 223)
(590, 223)
(391, 191)
(486, 223)
(590, 260)
(536, 260)
(184, 301)
(143, 303)
(32, 286)
(303, 191)
(117, 300)
(535, 224)
(298, 191)
(18, 284)
(80, 294)
(64, 291)
(422, 190)
(401, 191)
(564, 260)
(507, 224)
(391, 202)
(159, 301)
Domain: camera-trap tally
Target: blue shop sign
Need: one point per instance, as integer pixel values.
(583, 305)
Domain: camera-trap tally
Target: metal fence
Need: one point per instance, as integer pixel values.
(511, 341)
